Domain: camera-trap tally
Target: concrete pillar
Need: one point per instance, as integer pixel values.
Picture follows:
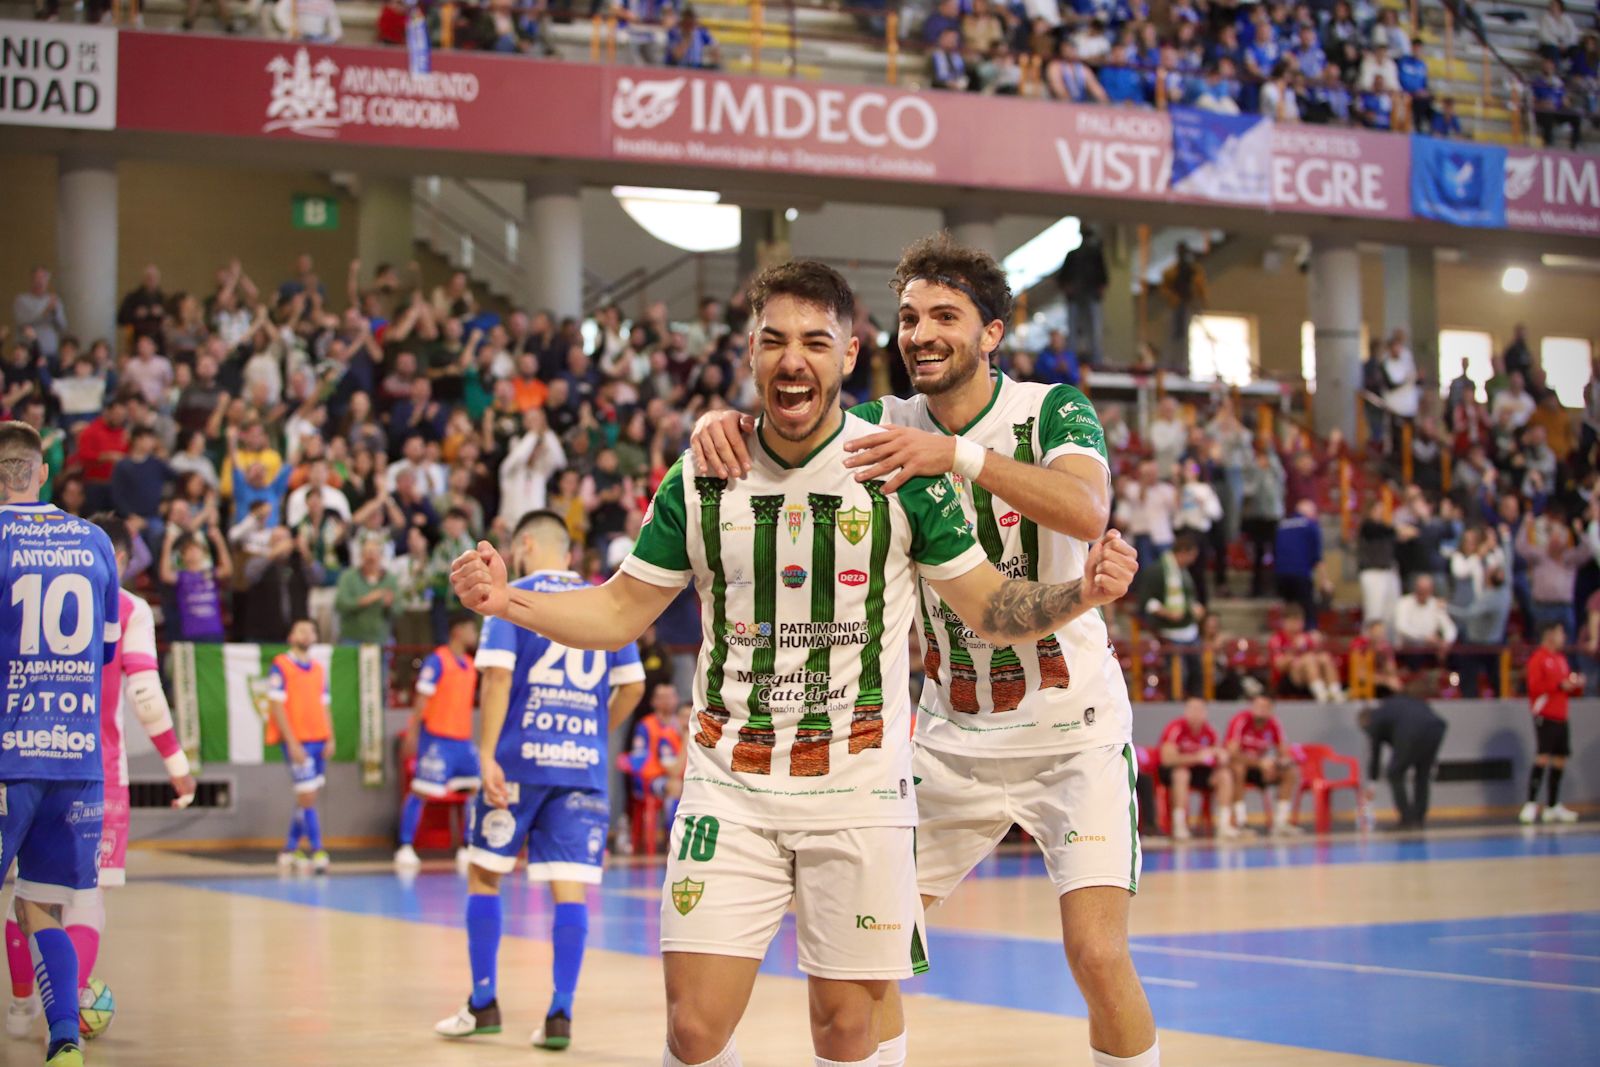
(1424, 313)
(1334, 281)
(383, 224)
(551, 246)
(972, 225)
(86, 243)
(1396, 288)
(1120, 307)
(763, 239)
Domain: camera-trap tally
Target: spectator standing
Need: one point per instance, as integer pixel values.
(1262, 509)
(196, 577)
(1551, 685)
(526, 471)
(367, 598)
(149, 371)
(39, 310)
(138, 481)
(1423, 629)
(102, 443)
(1481, 600)
(144, 310)
(1169, 436)
(1412, 73)
(1083, 278)
(1296, 559)
(1553, 553)
(1057, 362)
(1200, 513)
(1145, 508)
(1414, 733)
(1402, 392)
(1184, 286)
(690, 44)
(1514, 402)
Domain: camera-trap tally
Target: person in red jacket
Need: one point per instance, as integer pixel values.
(100, 445)
(1551, 683)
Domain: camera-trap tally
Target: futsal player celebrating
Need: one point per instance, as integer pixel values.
(131, 673)
(547, 711)
(440, 731)
(59, 612)
(1049, 709)
(799, 785)
(297, 719)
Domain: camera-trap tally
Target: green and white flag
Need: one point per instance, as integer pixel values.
(220, 703)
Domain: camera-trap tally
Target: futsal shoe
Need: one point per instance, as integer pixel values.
(64, 1054)
(1287, 829)
(1529, 814)
(20, 1015)
(470, 1021)
(1180, 831)
(556, 1033)
(1560, 813)
(321, 861)
(406, 858)
(1229, 832)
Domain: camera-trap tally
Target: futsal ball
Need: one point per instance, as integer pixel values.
(96, 1008)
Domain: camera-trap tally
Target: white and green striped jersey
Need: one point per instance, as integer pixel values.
(1062, 693)
(808, 584)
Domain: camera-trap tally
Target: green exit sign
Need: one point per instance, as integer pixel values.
(316, 213)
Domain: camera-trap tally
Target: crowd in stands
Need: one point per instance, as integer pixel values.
(1308, 62)
(1565, 93)
(283, 449)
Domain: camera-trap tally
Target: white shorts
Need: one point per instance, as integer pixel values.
(857, 913)
(1079, 806)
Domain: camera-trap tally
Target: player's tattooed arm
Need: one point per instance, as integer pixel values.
(1020, 610)
(1006, 611)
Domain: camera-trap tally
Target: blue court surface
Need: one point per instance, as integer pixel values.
(1480, 992)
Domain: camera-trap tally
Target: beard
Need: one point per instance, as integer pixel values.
(962, 363)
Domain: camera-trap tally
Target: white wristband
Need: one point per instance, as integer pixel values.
(177, 764)
(969, 459)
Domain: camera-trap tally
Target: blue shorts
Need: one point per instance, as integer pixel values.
(445, 765)
(565, 830)
(311, 775)
(52, 830)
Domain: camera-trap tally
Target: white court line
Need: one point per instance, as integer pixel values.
(1362, 968)
(1176, 983)
(1535, 954)
(1521, 933)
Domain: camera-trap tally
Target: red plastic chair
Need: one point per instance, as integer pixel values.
(1313, 778)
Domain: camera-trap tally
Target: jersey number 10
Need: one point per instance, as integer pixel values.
(42, 610)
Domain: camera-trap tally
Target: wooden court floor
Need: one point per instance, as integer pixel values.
(1305, 956)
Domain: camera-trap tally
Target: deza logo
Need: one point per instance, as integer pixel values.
(785, 112)
(1010, 519)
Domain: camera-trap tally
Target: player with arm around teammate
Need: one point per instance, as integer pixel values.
(59, 626)
(799, 782)
(132, 677)
(439, 732)
(1259, 755)
(1031, 474)
(1192, 759)
(547, 711)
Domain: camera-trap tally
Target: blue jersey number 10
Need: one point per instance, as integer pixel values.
(43, 608)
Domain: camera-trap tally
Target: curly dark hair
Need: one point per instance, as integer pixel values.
(806, 280)
(938, 258)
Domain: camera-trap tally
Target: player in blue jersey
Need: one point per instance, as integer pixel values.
(547, 711)
(59, 625)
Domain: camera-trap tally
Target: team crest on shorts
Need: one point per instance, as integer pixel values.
(498, 827)
(854, 524)
(686, 894)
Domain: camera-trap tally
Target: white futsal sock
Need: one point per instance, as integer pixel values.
(1241, 814)
(892, 1053)
(728, 1057)
(870, 1061)
(1280, 814)
(1150, 1057)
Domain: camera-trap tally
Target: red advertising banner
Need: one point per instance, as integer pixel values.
(1555, 192)
(1327, 170)
(516, 106)
(280, 89)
